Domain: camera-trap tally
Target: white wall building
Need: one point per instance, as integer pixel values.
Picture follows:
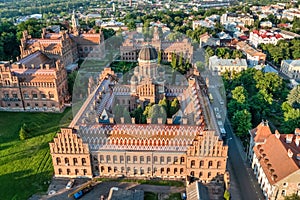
(291, 68)
(218, 65)
(264, 37)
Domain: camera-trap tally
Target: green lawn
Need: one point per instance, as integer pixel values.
(26, 166)
(150, 196)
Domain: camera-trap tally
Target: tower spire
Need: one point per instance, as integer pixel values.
(75, 23)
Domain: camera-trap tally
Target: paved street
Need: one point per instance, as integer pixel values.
(243, 183)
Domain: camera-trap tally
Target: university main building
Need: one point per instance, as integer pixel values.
(98, 142)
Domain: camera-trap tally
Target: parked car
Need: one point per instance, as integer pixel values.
(70, 184)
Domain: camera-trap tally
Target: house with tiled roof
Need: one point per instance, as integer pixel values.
(264, 37)
(220, 65)
(275, 160)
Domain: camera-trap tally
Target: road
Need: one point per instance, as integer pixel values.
(243, 183)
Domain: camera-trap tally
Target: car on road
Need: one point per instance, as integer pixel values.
(70, 184)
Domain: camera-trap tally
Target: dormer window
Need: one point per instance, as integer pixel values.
(285, 184)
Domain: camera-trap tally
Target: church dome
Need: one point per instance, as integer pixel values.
(148, 53)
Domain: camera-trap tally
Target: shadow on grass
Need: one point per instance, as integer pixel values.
(23, 184)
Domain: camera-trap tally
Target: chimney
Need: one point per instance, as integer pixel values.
(169, 121)
(297, 140)
(47, 66)
(288, 139)
(41, 66)
(184, 120)
(111, 120)
(159, 120)
(290, 153)
(297, 131)
(148, 120)
(133, 120)
(277, 134)
(122, 120)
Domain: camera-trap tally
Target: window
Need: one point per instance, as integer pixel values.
(34, 96)
(67, 161)
(75, 161)
(209, 175)
(101, 158)
(142, 171)
(175, 170)
(114, 159)
(43, 96)
(68, 171)
(83, 161)
(59, 171)
(134, 159)
(285, 184)
(148, 159)
(201, 163)
(128, 169)
(193, 163)
(115, 169)
(122, 169)
(218, 164)
(200, 174)
(181, 170)
(17, 105)
(182, 160)
(142, 159)
(162, 170)
(210, 163)
(121, 159)
(128, 158)
(134, 171)
(162, 159)
(76, 171)
(6, 95)
(26, 96)
(155, 158)
(149, 169)
(109, 169)
(283, 192)
(168, 170)
(175, 159)
(51, 96)
(36, 105)
(15, 96)
(168, 159)
(84, 172)
(28, 104)
(95, 158)
(108, 158)
(58, 161)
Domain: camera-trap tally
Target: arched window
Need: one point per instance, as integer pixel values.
(168, 170)
(149, 170)
(182, 160)
(148, 159)
(102, 169)
(114, 158)
(193, 163)
(115, 169)
(210, 163)
(162, 170)
(209, 175)
(155, 158)
(218, 164)
(68, 171)
(121, 159)
(201, 163)
(175, 170)
(162, 159)
(142, 159)
(83, 161)
(122, 169)
(192, 173)
(59, 171)
(109, 169)
(76, 171)
(181, 170)
(58, 161)
(200, 174)
(108, 158)
(66, 161)
(75, 161)
(168, 159)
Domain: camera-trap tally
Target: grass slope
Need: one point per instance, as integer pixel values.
(26, 166)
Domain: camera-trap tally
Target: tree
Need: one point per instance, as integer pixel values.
(294, 97)
(131, 25)
(175, 106)
(292, 197)
(226, 195)
(159, 57)
(240, 94)
(241, 122)
(138, 115)
(23, 132)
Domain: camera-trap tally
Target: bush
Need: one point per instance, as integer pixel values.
(23, 132)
